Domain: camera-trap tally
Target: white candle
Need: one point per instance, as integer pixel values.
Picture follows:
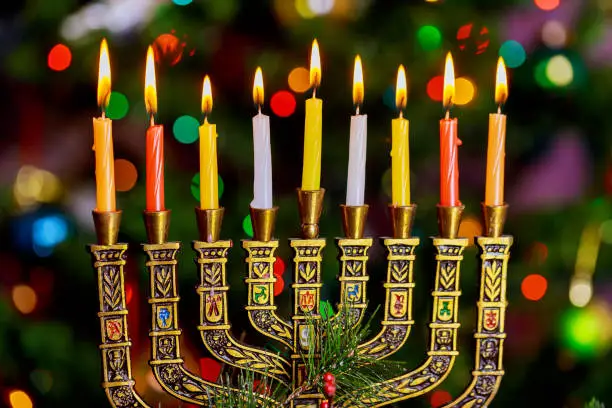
(262, 155)
(355, 184)
(262, 181)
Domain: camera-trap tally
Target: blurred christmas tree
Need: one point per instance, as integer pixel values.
(558, 181)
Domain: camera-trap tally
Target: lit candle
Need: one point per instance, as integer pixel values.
(449, 142)
(496, 152)
(262, 155)
(103, 139)
(355, 183)
(311, 171)
(154, 142)
(400, 150)
(209, 179)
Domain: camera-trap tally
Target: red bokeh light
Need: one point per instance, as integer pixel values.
(439, 398)
(279, 267)
(473, 40)
(129, 293)
(210, 369)
(279, 285)
(168, 48)
(435, 87)
(534, 287)
(283, 103)
(547, 5)
(59, 57)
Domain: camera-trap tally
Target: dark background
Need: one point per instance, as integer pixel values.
(558, 173)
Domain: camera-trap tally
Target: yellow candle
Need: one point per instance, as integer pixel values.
(311, 171)
(400, 151)
(209, 189)
(496, 151)
(103, 139)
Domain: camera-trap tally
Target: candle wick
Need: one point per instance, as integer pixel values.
(206, 118)
(499, 109)
(357, 110)
(259, 109)
(447, 116)
(151, 120)
(103, 114)
(314, 92)
(401, 114)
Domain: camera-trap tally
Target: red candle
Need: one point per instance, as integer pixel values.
(155, 142)
(449, 143)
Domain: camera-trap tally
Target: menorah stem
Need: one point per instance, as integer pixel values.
(260, 281)
(166, 360)
(492, 303)
(214, 322)
(108, 261)
(397, 320)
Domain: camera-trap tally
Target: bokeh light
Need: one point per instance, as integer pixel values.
(182, 2)
(186, 129)
(283, 103)
(126, 175)
(473, 40)
(587, 332)
(320, 7)
(118, 106)
(429, 37)
(42, 380)
(534, 287)
(279, 285)
(540, 75)
(581, 291)
(513, 53)
(559, 70)
(303, 9)
(49, 231)
(129, 292)
(465, 91)
(435, 87)
(605, 231)
(210, 369)
(470, 228)
(439, 398)
(24, 298)
(247, 226)
(59, 57)
(35, 185)
(386, 182)
(389, 97)
(299, 79)
(547, 5)
(554, 34)
(19, 399)
(195, 186)
(168, 48)
(537, 253)
(279, 267)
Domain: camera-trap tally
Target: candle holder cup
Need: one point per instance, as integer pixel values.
(295, 334)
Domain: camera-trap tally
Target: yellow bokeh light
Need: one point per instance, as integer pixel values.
(303, 9)
(34, 185)
(299, 80)
(465, 91)
(469, 228)
(581, 291)
(24, 298)
(19, 399)
(559, 70)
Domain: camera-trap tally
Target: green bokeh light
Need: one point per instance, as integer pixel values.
(195, 186)
(513, 53)
(429, 37)
(540, 74)
(118, 106)
(247, 226)
(182, 2)
(185, 129)
(581, 332)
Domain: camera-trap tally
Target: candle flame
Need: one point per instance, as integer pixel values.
(207, 100)
(401, 93)
(258, 88)
(501, 83)
(104, 76)
(448, 96)
(358, 90)
(315, 65)
(150, 94)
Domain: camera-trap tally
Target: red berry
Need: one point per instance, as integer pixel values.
(329, 390)
(329, 378)
(324, 404)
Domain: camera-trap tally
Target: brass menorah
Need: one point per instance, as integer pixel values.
(109, 258)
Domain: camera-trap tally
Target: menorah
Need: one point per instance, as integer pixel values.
(109, 258)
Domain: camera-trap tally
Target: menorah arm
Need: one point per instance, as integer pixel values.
(397, 320)
(260, 281)
(117, 381)
(443, 334)
(214, 322)
(353, 278)
(489, 334)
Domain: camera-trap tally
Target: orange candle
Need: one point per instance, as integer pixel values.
(449, 142)
(103, 139)
(154, 142)
(496, 151)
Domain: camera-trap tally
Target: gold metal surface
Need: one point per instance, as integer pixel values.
(494, 219)
(264, 221)
(107, 224)
(209, 223)
(402, 218)
(449, 219)
(157, 225)
(354, 220)
(310, 206)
